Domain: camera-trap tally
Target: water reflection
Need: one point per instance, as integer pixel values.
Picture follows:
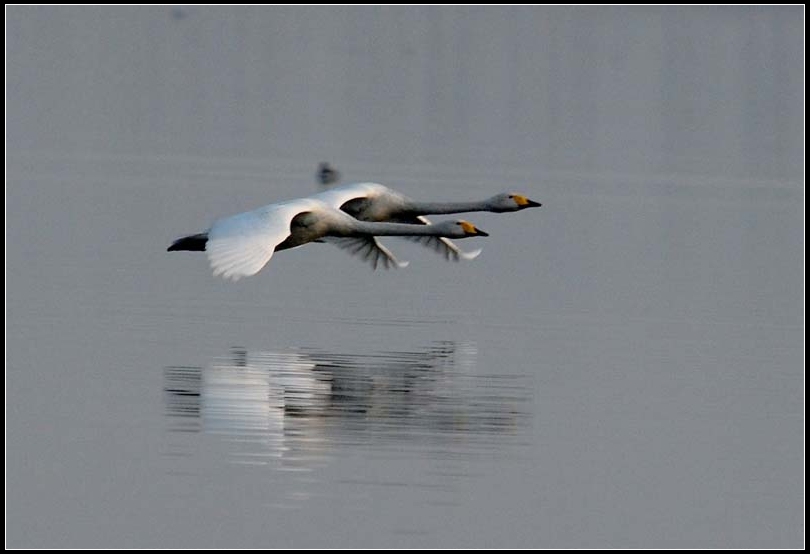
(296, 405)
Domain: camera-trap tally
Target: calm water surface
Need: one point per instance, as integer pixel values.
(576, 385)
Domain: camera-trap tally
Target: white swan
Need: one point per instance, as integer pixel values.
(375, 202)
(240, 245)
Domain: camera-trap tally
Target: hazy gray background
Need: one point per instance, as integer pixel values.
(621, 368)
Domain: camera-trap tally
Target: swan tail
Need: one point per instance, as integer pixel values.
(194, 243)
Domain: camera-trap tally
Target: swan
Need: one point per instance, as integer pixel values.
(375, 202)
(240, 245)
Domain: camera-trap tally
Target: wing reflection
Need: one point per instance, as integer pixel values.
(298, 404)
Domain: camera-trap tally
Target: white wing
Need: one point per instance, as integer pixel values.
(369, 249)
(240, 245)
(442, 245)
(338, 196)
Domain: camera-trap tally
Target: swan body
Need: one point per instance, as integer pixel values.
(376, 202)
(240, 245)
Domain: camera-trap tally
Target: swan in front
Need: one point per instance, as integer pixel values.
(240, 245)
(375, 202)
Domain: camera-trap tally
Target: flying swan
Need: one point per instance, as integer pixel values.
(240, 245)
(375, 202)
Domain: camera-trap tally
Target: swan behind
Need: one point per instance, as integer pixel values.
(376, 202)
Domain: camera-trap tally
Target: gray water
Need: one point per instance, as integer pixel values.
(622, 367)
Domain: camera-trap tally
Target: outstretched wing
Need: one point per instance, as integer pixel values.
(338, 196)
(442, 245)
(369, 249)
(240, 245)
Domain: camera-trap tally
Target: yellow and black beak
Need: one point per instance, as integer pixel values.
(472, 230)
(524, 202)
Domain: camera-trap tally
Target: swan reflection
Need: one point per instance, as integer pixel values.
(295, 405)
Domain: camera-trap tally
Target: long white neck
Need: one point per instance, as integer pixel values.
(428, 208)
(384, 229)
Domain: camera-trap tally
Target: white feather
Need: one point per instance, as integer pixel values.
(240, 245)
(370, 249)
(445, 246)
(337, 196)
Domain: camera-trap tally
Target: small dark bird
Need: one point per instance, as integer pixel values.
(327, 175)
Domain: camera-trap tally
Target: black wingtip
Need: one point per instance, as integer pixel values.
(193, 243)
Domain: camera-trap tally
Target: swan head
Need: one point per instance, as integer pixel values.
(511, 202)
(469, 230)
(456, 230)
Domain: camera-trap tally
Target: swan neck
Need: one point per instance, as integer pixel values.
(438, 208)
(364, 228)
